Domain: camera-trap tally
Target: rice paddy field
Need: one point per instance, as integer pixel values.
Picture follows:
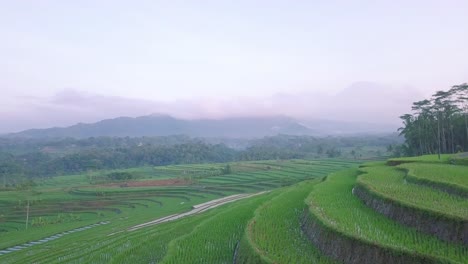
(58, 205)
(75, 219)
(451, 178)
(396, 219)
(287, 244)
(389, 182)
(335, 206)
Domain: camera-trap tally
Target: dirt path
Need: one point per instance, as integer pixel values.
(199, 208)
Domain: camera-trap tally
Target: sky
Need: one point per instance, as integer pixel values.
(63, 62)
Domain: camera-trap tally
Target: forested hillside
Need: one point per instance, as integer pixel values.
(23, 159)
(165, 125)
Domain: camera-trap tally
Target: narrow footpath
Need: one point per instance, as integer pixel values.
(199, 208)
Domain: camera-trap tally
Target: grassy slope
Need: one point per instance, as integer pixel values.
(444, 158)
(275, 231)
(144, 245)
(136, 208)
(215, 240)
(334, 204)
(452, 175)
(389, 182)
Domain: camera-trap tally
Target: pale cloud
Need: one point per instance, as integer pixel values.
(170, 50)
(360, 102)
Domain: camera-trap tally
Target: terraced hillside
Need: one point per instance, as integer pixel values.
(401, 211)
(274, 235)
(59, 205)
(376, 215)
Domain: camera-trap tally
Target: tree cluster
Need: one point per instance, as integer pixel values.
(437, 125)
(23, 159)
(15, 168)
(119, 176)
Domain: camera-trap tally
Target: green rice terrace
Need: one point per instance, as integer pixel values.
(406, 210)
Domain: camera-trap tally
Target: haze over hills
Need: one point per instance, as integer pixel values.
(240, 127)
(164, 125)
(383, 104)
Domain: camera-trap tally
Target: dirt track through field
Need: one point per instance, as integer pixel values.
(199, 208)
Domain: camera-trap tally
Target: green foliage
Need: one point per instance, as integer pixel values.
(460, 159)
(36, 158)
(120, 176)
(438, 125)
(227, 169)
(8, 168)
(60, 218)
(25, 184)
(333, 153)
(39, 164)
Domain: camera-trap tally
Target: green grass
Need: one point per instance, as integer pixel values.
(460, 159)
(390, 183)
(451, 175)
(275, 231)
(444, 158)
(125, 207)
(263, 229)
(215, 240)
(127, 217)
(373, 164)
(333, 203)
(149, 244)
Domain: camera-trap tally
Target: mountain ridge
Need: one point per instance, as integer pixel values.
(164, 125)
(232, 127)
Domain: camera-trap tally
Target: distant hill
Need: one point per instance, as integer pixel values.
(164, 125)
(331, 127)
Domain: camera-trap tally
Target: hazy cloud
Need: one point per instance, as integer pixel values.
(360, 102)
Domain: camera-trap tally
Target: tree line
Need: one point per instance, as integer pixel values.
(28, 159)
(437, 125)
